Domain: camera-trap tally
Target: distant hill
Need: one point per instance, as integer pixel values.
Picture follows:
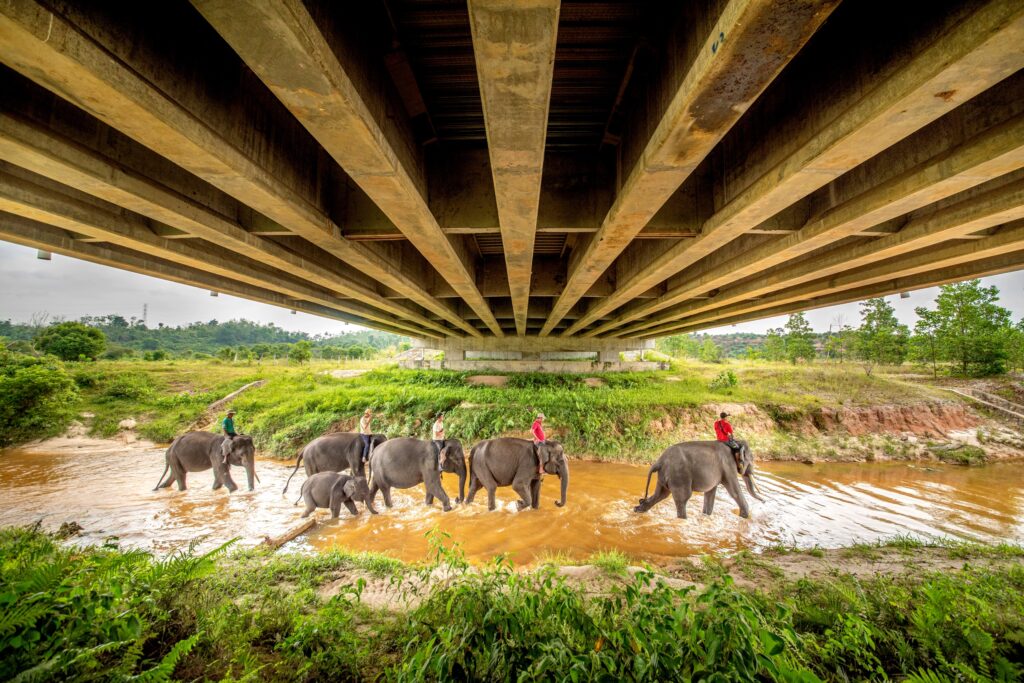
(204, 337)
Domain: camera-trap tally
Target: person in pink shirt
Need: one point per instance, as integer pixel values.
(538, 438)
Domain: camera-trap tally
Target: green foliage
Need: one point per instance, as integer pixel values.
(799, 339)
(723, 380)
(678, 345)
(881, 338)
(709, 352)
(774, 348)
(71, 341)
(966, 328)
(37, 397)
(301, 352)
(99, 614)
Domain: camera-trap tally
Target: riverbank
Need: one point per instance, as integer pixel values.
(815, 412)
(955, 611)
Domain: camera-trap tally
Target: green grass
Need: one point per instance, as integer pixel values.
(106, 614)
(610, 561)
(622, 420)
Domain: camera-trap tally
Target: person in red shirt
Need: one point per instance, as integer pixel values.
(723, 432)
(538, 438)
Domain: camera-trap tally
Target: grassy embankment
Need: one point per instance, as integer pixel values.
(105, 614)
(632, 416)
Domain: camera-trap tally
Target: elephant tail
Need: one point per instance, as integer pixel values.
(160, 481)
(647, 487)
(298, 461)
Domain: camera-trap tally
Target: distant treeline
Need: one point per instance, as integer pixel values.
(132, 334)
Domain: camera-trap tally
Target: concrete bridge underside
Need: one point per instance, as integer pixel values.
(520, 175)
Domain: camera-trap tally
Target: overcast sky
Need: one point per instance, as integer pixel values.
(68, 288)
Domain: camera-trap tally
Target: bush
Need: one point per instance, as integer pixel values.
(723, 380)
(37, 397)
(129, 386)
(117, 352)
(71, 341)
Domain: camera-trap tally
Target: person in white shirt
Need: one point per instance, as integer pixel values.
(365, 432)
(437, 436)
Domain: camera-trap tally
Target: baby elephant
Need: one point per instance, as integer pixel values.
(700, 466)
(331, 489)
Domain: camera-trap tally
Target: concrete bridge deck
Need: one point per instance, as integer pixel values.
(527, 175)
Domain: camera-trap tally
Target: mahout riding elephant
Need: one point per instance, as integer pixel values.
(334, 453)
(404, 463)
(700, 466)
(332, 489)
(199, 451)
(514, 462)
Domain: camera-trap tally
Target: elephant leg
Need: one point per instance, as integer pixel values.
(660, 493)
(428, 499)
(681, 495)
(709, 501)
(373, 490)
(178, 472)
(310, 507)
(535, 493)
(733, 487)
(432, 482)
(386, 490)
(523, 489)
(474, 486)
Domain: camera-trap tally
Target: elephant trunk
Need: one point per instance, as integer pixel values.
(250, 472)
(368, 500)
(462, 487)
(749, 478)
(564, 477)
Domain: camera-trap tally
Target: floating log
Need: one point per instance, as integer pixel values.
(292, 533)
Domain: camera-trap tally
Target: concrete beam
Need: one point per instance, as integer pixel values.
(514, 46)
(986, 210)
(539, 344)
(991, 154)
(24, 198)
(953, 256)
(36, 235)
(972, 56)
(49, 50)
(30, 146)
(282, 44)
(1003, 263)
(750, 44)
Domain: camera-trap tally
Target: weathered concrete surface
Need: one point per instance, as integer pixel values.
(991, 154)
(514, 45)
(751, 43)
(974, 55)
(40, 236)
(307, 76)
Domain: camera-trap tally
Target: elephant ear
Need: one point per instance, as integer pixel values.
(349, 487)
(442, 456)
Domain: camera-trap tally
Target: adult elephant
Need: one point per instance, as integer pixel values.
(404, 463)
(334, 453)
(199, 451)
(700, 466)
(514, 462)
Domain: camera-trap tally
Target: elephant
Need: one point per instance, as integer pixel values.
(700, 466)
(508, 461)
(199, 451)
(331, 489)
(334, 453)
(404, 463)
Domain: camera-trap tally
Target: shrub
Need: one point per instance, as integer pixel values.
(723, 380)
(71, 341)
(37, 397)
(129, 386)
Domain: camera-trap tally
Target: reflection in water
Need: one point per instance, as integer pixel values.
(829, 505)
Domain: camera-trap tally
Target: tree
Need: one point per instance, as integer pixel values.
(799, 339)
(300, 352)
(838, 345)
(71, 341)
(924, 345)
(1015, 347)
(37, 397)
(709, 351)
(678, 345)
(881, 338)
(972, 328)
(774, 345)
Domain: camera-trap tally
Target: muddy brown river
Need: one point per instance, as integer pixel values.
(829, 505)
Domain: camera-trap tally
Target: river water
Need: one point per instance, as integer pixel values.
(830, 505)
